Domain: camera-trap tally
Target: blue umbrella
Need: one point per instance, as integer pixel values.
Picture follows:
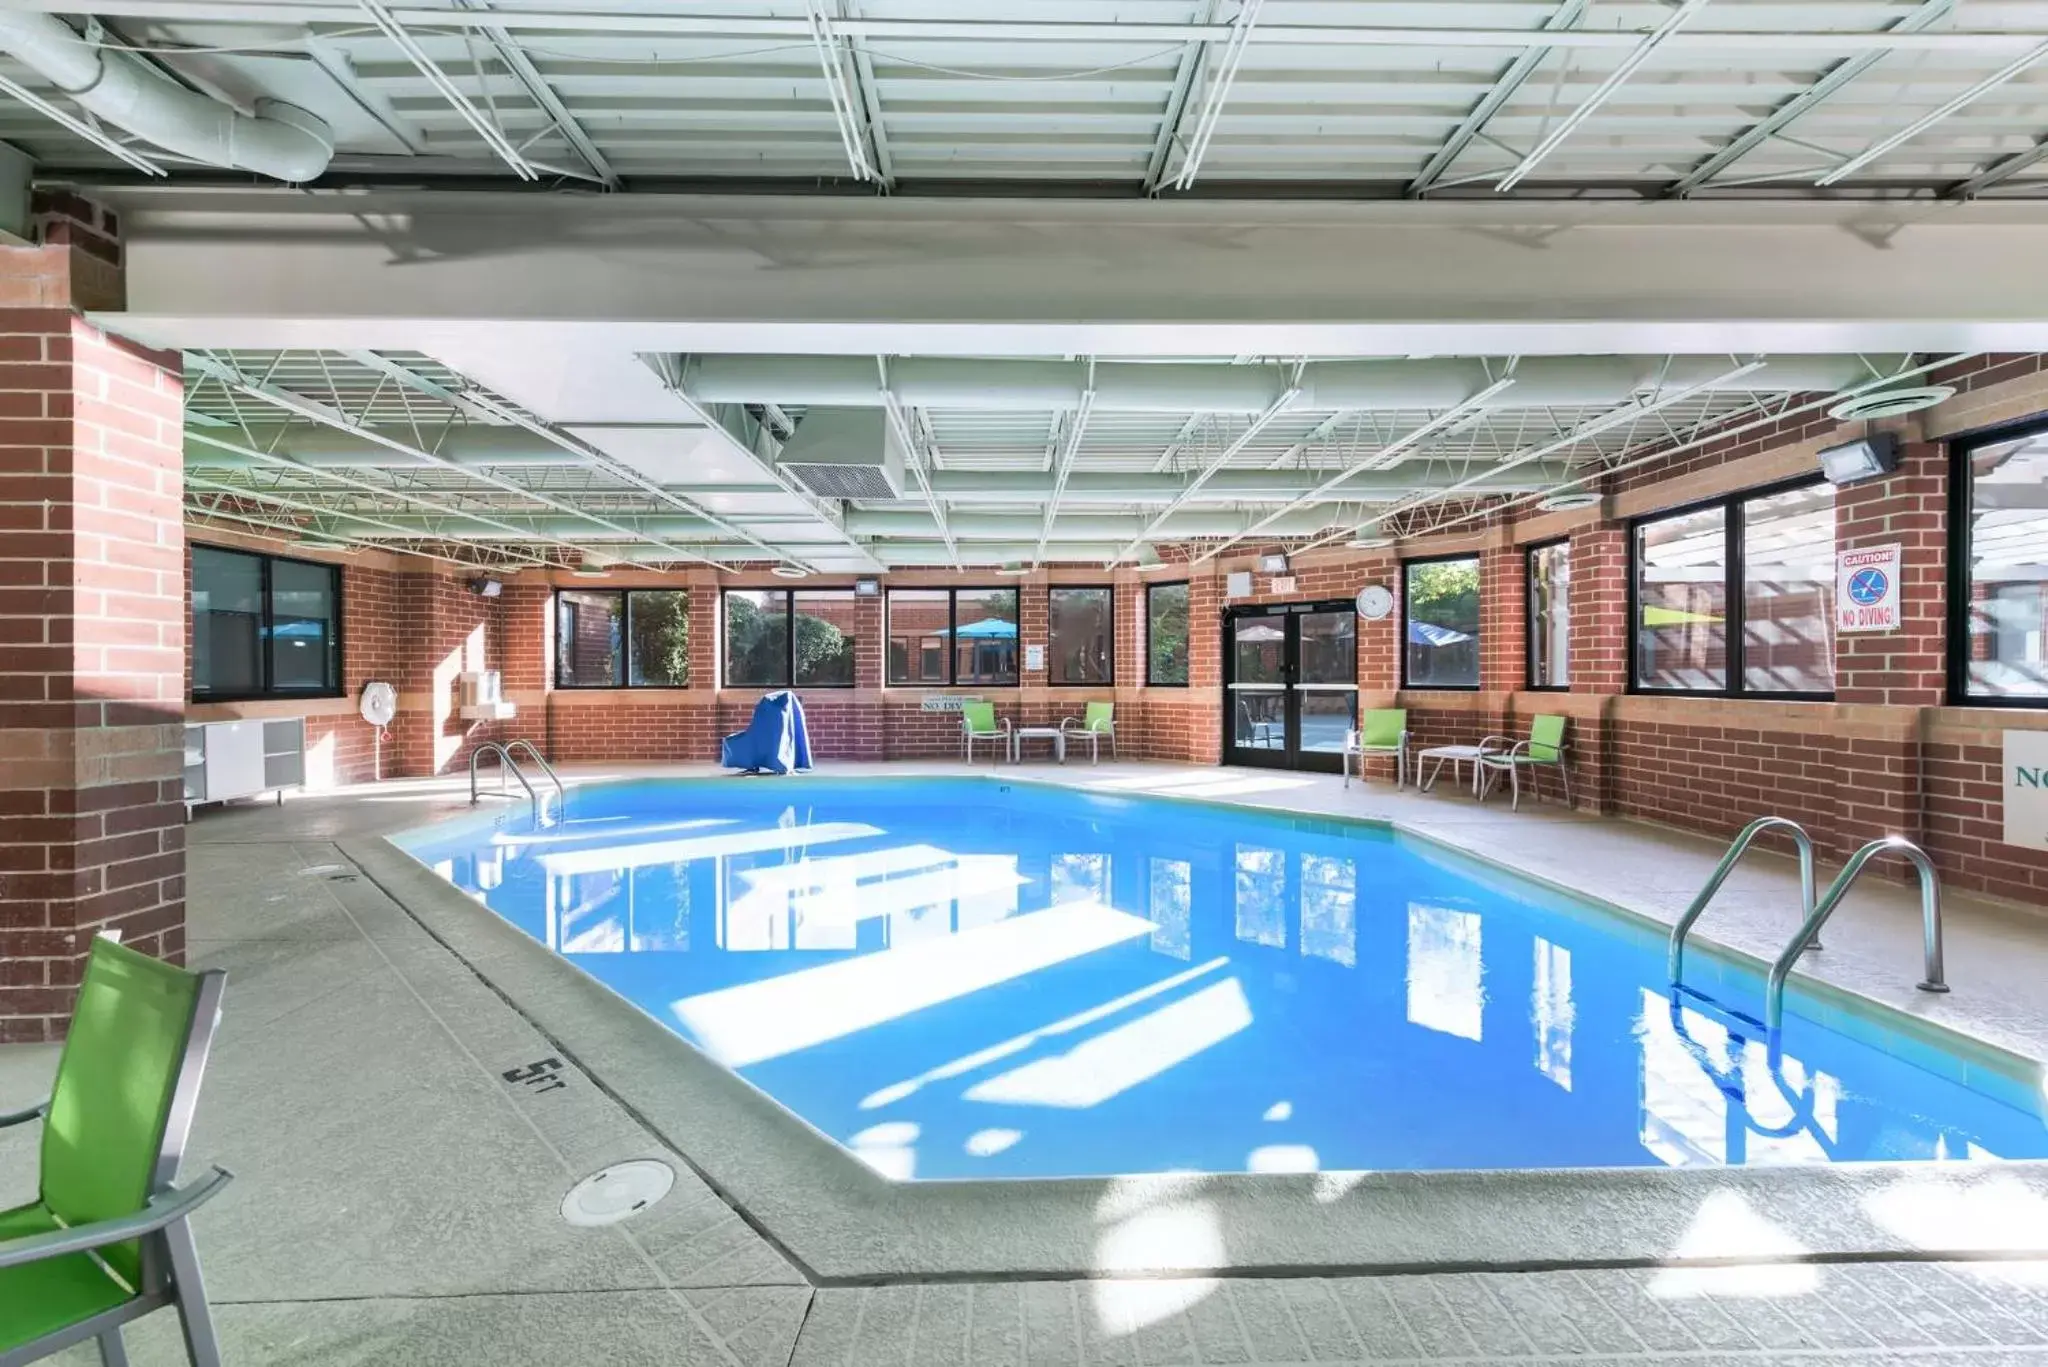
(987, 629)
(1423, 634)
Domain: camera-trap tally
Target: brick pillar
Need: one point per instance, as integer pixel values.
(1204, 718)
(1601, 637)
(1887, 677)
(92, 615)
(1379, 641)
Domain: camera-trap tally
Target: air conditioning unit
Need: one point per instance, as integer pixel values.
(846, 453)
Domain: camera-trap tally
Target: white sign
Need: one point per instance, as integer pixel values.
(944, 702)
(1237, 584)
(2026, 789)
(1867, 589)
(1284, 585)
(1034, 657)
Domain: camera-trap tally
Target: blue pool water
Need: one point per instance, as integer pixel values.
(969, 978)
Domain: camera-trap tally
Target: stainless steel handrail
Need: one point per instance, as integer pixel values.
(1676, 958)
(561, 793)
(1930, 921)
(506, 764)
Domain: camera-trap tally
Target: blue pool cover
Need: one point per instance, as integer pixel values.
(969, 978)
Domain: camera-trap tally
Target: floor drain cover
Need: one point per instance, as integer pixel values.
(620, 1191)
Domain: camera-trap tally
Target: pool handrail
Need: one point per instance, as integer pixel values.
(506, 764)
(561, 793)
(1932, 979)
(1675, 960)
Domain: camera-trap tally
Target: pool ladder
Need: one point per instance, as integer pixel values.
(508, 763)
(1814, 914)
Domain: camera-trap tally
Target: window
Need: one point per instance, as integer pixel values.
(1737, 597)
(1083, 631)
(1166, 635)
(622, 638)
(1549, 576)
(1440, 622)
(782, 638)
(264, 626)
(1998, 597)
(952, 636)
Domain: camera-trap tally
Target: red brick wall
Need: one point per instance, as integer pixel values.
(91, 604)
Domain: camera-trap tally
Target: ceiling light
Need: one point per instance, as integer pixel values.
(586, 573)
(1569, 501)
(1012, 568)
(1370, 543)
(1890, 403)
(788, 571)
(1273, 564)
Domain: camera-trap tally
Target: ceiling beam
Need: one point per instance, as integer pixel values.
(1643, 51)
(1781, 118)
(300, 505)
(542, 94)
(1063, 469)
(1184, 73)
(832, 61)
(318, 412)
(1504, 88)
(1217, 462)
(918, 455)
(870, 98)
(393, 29)
(2000, 172)
(1221, 76)
(2018, 66)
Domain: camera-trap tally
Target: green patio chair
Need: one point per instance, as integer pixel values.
(978, 722)
(106, 1241)
(1099, 721)
(1384, 732)
(1543, 749)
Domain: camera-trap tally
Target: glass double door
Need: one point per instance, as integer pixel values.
(1290, 684)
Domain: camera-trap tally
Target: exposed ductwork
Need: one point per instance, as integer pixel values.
(1326, 386)
(278, 140)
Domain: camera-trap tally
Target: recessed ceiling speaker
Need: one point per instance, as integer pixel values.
(1866, 458)
(1569, 501)
(486, 587)
(1890, 403)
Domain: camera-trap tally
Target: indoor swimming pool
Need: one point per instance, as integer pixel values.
(978, 978)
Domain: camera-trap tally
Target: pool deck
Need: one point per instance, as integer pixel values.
(397, 1200)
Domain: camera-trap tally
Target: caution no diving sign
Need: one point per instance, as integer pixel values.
(1867, 589)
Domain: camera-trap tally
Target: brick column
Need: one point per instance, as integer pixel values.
(1883, 679)
(92, 616)
(1601, 637)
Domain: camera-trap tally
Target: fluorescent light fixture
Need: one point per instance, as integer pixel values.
(589, 574)
(1866, 458)
(1370, 543)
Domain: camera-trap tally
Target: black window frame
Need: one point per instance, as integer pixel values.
(623, 678)
(788, 640)
(1529, 553)
(1956, 620)
(1736, 600)
(1479, 564)
(952, 656)
(1051, 656)
(1187, 663)
(265, 639)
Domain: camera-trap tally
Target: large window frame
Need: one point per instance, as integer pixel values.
(1478, 634)
(1187, 648)
(1956, 646)
(1734, 596)
(950, 653)
(789, 642)
(265, 664)
(1529, 554)
(1052, 591)
(622, 674)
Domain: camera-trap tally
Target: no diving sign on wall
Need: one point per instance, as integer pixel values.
(1867, 589)
(2026, 789)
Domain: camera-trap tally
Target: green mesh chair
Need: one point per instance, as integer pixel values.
(978, 722)
(1384, 731)
(1543, 750)
(106, 1241)
(1098, 721)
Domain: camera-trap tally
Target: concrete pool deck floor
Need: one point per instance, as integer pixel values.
(398, 1200)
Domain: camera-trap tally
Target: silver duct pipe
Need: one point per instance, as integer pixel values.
(1130, 387)
(279, 140)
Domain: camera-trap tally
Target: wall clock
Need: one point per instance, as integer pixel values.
(1375, 601)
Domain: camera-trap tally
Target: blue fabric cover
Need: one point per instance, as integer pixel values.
(775, 741)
